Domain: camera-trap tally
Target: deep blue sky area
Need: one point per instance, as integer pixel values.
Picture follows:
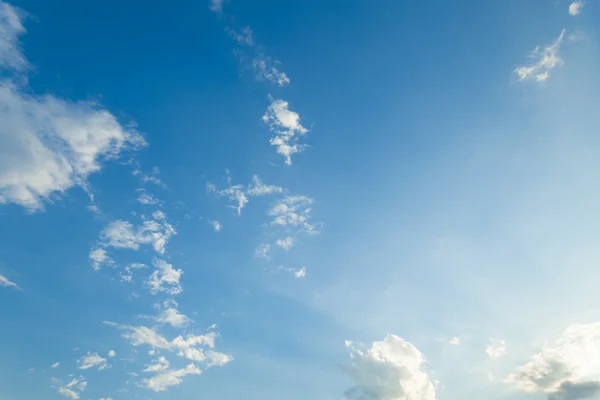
(337, 200)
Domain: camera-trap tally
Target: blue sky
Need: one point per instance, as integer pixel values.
(358, 200)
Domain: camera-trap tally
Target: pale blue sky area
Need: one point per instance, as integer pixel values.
(325, 200)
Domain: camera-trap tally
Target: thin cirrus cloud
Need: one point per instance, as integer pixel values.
(286, 127)
(388, 369)
(49, 145)
(567, 370)
(547, 59)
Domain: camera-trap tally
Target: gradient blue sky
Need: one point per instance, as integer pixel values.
(359, 200)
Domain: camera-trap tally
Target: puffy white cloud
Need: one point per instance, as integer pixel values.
(392, 369)
(11, 28)
(262, 251)
(258, 188)
(69, 393)
(122, 234)
(5, 282)
(139, 335)
(293, 211)
(286, 243)
(286, 126)
(568, 370)
(172, 317)
(99, 257)
(159, 365)
(92, 361)
(547, 60)
(216, 225)
(263, 66)
(162, 381)
(55, 365)
(575, 7)
(165, 278)
(496, 348)
(147, 198)
(112, 354)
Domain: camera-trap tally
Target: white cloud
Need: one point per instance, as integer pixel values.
(160, 365)
(92, 361)
(99, 257)
(147, 198)
(233, 192)
(298, 272)
(575, 7)
(72, 388)
(55, 365)
(568, 370)
(112, 354)
(258, 188)
(122, 235)
(286, 126)
(262, 251)
(496, 349)
(162, 381)
(11, 28)
(216, 225)
(243, 38)
(165, 278)
(293, 211)
(152, 177)
(286, 243)
(392, 369)
(6, 283)
(547, 60)
(263, 66)
(215, 5)
(139, 335)
(455, 341)
(173, 317)
(105, 398)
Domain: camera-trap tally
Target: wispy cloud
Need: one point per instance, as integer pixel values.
(262, 251)
(6, 283)
(266, 69)
(160, 382)
(216, 225)
(165, 278)
(147, 198)
(11, 27)
(71, 390)
(575, 7)
(55, 365)
(293, 212)
(243, 37)
(297, 272)
(389, 369)
(286, 126)
(99, 257)
(547, 60)
(93, 361)
(496, 348)
(216, 5)
(286, 243)
(258, 188)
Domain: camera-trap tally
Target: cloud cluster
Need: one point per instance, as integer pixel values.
(568, 370)
(164, 278)
(72, 389)
(547, 60)
(293, 212)
(392, 369)
(286, 126)
(239, 193)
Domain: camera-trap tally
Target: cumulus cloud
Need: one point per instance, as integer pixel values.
(286, 126)
(293, 212)
(6, 283)
(547, 59)
(122, 234)
(575, 7)
(112, 354)
(164, 278)
(258, 188)
(48, 145)
(216, 225)
(55, 365)
(159, 365)
(392, 369)
(172, 317)
(162, 381)
(286, 243)
(568, 370)
(496, 348)
(93, 361)
(99, 257)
